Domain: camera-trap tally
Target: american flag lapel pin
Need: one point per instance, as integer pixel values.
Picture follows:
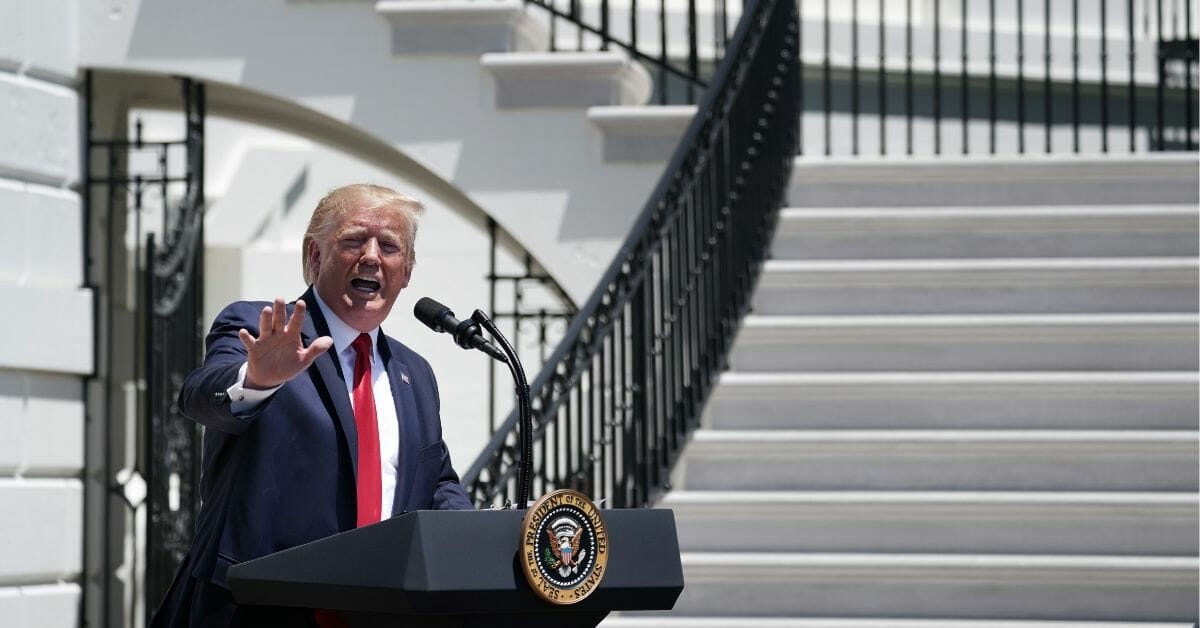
(404, 378)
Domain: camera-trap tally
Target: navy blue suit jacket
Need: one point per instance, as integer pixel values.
(285, 475)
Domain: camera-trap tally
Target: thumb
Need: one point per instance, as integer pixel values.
(316, 348)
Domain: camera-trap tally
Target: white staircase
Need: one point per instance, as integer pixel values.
(968, 400)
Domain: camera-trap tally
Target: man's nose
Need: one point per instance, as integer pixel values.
(370, 251)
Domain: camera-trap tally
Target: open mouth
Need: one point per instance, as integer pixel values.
(364, 285)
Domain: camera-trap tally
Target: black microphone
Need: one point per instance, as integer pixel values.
(466, 334)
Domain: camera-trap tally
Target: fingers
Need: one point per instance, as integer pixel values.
(272, 318)
(247, 339)
(297, 319)
(264, 321)
(278, 314)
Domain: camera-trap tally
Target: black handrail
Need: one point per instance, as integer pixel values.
(615, 403)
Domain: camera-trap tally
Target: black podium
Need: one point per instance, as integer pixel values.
(459, 568)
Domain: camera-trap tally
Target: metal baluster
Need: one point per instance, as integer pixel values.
(679, 329)
(827, 80)
(908, 78)
(937, 77)
(693, 52)
(1104, 76)
(992, 77)
(800, 79)
(633, 24)
(491, 228)
(608, 413)
(639, 382)
(604, 16)
(662, 53)
(588, 440)
(854, 77)
(1021, 77)
(724, 25)
(1160, 90)
(568, 419)
(577, 19)
(883, 83)
(1188, 59)
(962, 81)
(663, 356)
(718, 47)
(621, 366)
(1046, 54)
(655, 382)
(1132, 89)
(1075, 75)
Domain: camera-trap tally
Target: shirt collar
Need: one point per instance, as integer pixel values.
(343, 335)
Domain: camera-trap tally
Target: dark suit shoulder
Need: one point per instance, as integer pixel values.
(241, 311)
(406, 355)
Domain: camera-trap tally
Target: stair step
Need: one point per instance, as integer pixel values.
(942, 460)
(1161, 524)
(939, 585)
(656, 620)
(956, 400)
(566, 79)
(995, 181)
(643, 133)
(987, 232)
(465, 27)
(979, 286)
(1105, 342)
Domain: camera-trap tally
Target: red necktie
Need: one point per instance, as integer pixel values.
(370, 484)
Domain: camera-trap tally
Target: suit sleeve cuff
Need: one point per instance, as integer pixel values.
(244, 401)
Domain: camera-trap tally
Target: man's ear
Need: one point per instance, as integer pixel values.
(314, 259)
(407, 276)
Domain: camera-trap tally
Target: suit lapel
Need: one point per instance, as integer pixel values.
(328, 375)
(406, 412)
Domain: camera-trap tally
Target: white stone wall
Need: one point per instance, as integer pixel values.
(47, 313)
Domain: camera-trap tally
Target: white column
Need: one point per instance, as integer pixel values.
(46, 313)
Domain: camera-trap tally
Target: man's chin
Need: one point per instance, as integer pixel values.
(375, 307)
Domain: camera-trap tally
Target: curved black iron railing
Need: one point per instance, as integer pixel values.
(615, 403)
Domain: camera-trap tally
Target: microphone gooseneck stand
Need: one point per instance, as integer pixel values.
(524, 407)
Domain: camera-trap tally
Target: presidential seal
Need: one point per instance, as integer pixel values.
(564, 547)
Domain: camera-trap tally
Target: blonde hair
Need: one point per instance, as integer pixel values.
(336, 204)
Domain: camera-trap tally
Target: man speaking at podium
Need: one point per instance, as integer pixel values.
(316, 422)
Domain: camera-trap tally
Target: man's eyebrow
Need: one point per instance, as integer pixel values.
(359, 231)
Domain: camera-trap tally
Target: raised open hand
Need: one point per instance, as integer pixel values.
(278, 354)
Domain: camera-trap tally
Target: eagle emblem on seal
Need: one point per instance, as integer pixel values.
(566, 537)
